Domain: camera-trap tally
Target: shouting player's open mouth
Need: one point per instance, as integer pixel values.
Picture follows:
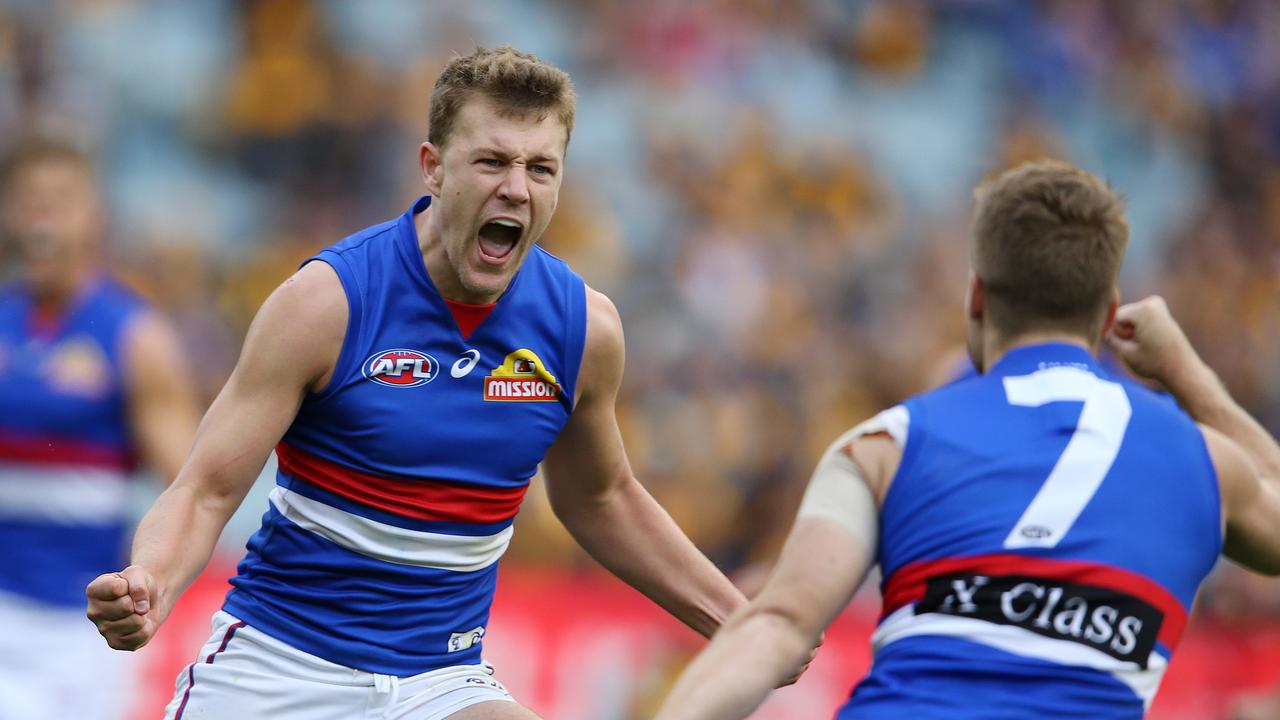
(497, 238)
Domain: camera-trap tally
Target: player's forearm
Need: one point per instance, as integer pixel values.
(175, 539)
(754, 652)
(633, 537)
(1200, 392)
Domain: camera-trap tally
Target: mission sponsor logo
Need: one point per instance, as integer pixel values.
(521, 378)
(78, 366)
(1116, 623)
(401, 368)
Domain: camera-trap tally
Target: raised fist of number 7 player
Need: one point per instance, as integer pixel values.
(1150, 342)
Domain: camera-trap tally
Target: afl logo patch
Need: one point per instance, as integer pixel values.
(401, 368)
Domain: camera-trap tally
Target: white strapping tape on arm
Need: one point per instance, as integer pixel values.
(838, 491)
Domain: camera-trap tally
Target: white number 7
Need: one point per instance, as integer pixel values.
(1087, 458)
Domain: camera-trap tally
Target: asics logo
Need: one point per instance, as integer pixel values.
(463, 366)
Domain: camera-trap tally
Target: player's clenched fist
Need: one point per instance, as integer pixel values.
(122, 607)
(1147, 338)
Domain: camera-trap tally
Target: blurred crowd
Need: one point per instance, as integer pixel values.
(775, 193)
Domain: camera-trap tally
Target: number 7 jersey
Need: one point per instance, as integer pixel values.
(1041, 545)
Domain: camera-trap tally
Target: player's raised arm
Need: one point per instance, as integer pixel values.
(825, 559)
(290, 349)
(596, 496)
(1244, 454)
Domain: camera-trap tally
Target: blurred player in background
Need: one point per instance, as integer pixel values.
(411, 380)
(91, 386)
(1042, 528)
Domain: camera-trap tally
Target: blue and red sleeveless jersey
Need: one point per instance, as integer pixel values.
(399, 482)
(1041, 545)
(66, 452)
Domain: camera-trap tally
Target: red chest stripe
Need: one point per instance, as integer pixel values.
(417, 499)
(59, 451)
(907, 584)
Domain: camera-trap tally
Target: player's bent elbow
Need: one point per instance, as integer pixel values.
(781, 625)
(781, 642)
(208, 493)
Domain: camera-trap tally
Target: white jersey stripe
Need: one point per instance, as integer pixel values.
(460, 553)
(62, 494)
(896, 421)
(903, 623)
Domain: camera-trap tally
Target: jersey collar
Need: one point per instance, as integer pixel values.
(1029, 358)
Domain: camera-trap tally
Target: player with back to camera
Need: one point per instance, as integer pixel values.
(1041, 528)
(91, 388)
(411, 378)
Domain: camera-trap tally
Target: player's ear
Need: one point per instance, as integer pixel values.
(976, 299)
(431, 163)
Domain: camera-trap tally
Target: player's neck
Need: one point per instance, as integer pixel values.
(53, 297)
(996, 347)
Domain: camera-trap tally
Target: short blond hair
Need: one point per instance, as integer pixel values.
(517, 82)
(1048, 240)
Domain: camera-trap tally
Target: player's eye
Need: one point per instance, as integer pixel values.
(491, 162)
(540, 170)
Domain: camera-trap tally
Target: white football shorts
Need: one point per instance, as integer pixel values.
(244, 674)
(55, 665)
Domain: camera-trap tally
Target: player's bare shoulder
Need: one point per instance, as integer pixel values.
(604, 324)
(604, 355)
(303, 322)
(151, 342)
(878, 453)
